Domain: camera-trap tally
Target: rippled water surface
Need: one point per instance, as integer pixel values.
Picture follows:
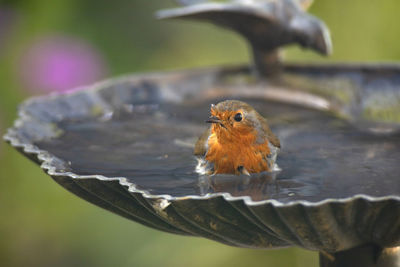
(321, 157)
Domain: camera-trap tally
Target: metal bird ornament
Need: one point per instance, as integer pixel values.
(266, 24)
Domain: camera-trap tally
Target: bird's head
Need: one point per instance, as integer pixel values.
(312, 33)
(236, 121)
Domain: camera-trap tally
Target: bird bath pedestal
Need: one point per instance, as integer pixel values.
(126, 145)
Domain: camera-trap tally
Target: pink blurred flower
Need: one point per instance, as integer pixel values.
(60, 64)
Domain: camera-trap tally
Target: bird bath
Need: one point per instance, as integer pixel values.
(126, 145)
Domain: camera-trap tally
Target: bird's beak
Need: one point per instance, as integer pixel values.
(213, 119)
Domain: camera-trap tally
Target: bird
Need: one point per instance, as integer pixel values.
(239, 141)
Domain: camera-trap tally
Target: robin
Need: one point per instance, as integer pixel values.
(239, 141)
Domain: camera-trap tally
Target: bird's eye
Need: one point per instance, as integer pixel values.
(238, 117)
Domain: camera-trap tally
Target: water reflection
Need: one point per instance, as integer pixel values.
(258, 186)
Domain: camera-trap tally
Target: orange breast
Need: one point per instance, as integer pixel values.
(227, 157)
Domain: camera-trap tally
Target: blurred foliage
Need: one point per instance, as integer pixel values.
(44, 225)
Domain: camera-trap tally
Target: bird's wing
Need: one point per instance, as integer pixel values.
(270, 136)
(274, 140)
(200, 148)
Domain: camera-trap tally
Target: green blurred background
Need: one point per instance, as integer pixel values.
(86, 40)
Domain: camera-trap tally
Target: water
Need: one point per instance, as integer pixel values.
(322, 156)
